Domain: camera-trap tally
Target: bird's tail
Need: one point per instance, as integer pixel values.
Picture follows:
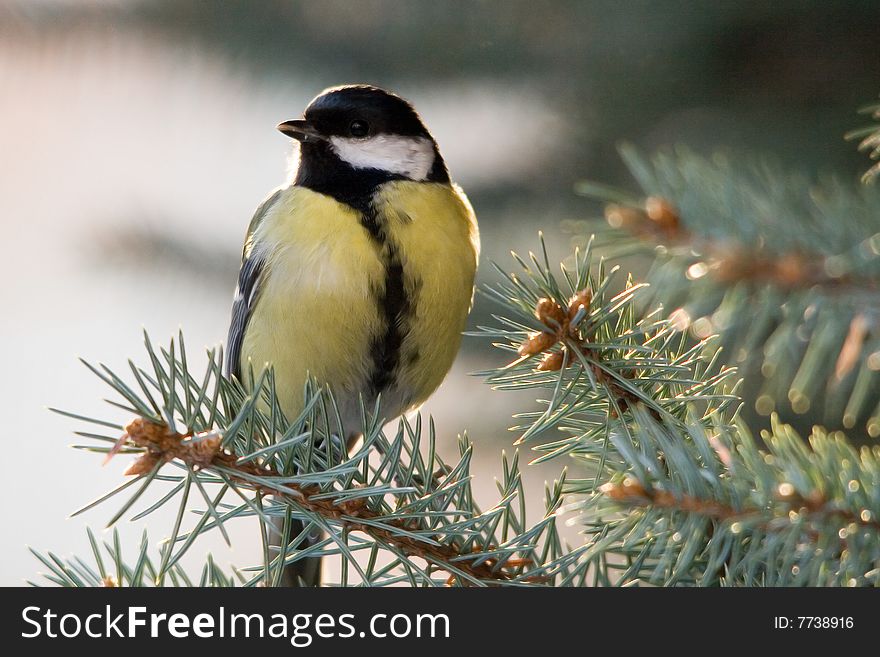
(303, 572)
(307, 571)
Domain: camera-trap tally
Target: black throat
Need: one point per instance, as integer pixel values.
(322, 171)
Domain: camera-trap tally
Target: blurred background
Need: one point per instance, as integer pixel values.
(137, 137)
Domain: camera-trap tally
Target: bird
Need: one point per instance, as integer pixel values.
(357, 272)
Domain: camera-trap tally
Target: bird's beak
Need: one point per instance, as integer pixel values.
(301, 130)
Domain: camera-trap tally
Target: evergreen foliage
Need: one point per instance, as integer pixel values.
(668, 484)
(783, 268)
(869, 137)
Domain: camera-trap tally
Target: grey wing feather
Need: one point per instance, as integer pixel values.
(307, 571)
(246, 294)
(242, 307)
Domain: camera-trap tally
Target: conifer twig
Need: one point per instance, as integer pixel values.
(562, 328)
(632, 493)
(729, 260)
(204, 452)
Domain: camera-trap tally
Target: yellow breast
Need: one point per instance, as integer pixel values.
(435, 230)
(318, 312)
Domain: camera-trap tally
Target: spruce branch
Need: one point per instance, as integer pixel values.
(392, 511)
(613, 359)
(203, 452)
(108, 568)
(741, 516)
(869, 140)
(815, 507)
(785, 269)
(670, 489)
(573, 347)
(685, 497)
(729, 261)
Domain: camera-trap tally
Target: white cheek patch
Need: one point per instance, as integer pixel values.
(412, 157)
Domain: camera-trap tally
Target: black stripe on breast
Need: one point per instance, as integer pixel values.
(394, 305)
(322, 171)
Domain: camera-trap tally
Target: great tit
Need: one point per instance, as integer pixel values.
(358, 272)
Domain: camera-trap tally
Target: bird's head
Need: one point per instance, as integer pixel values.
(361, 129)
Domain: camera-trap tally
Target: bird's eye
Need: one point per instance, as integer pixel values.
(359, 128)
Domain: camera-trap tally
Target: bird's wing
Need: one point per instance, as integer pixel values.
(247, 291)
